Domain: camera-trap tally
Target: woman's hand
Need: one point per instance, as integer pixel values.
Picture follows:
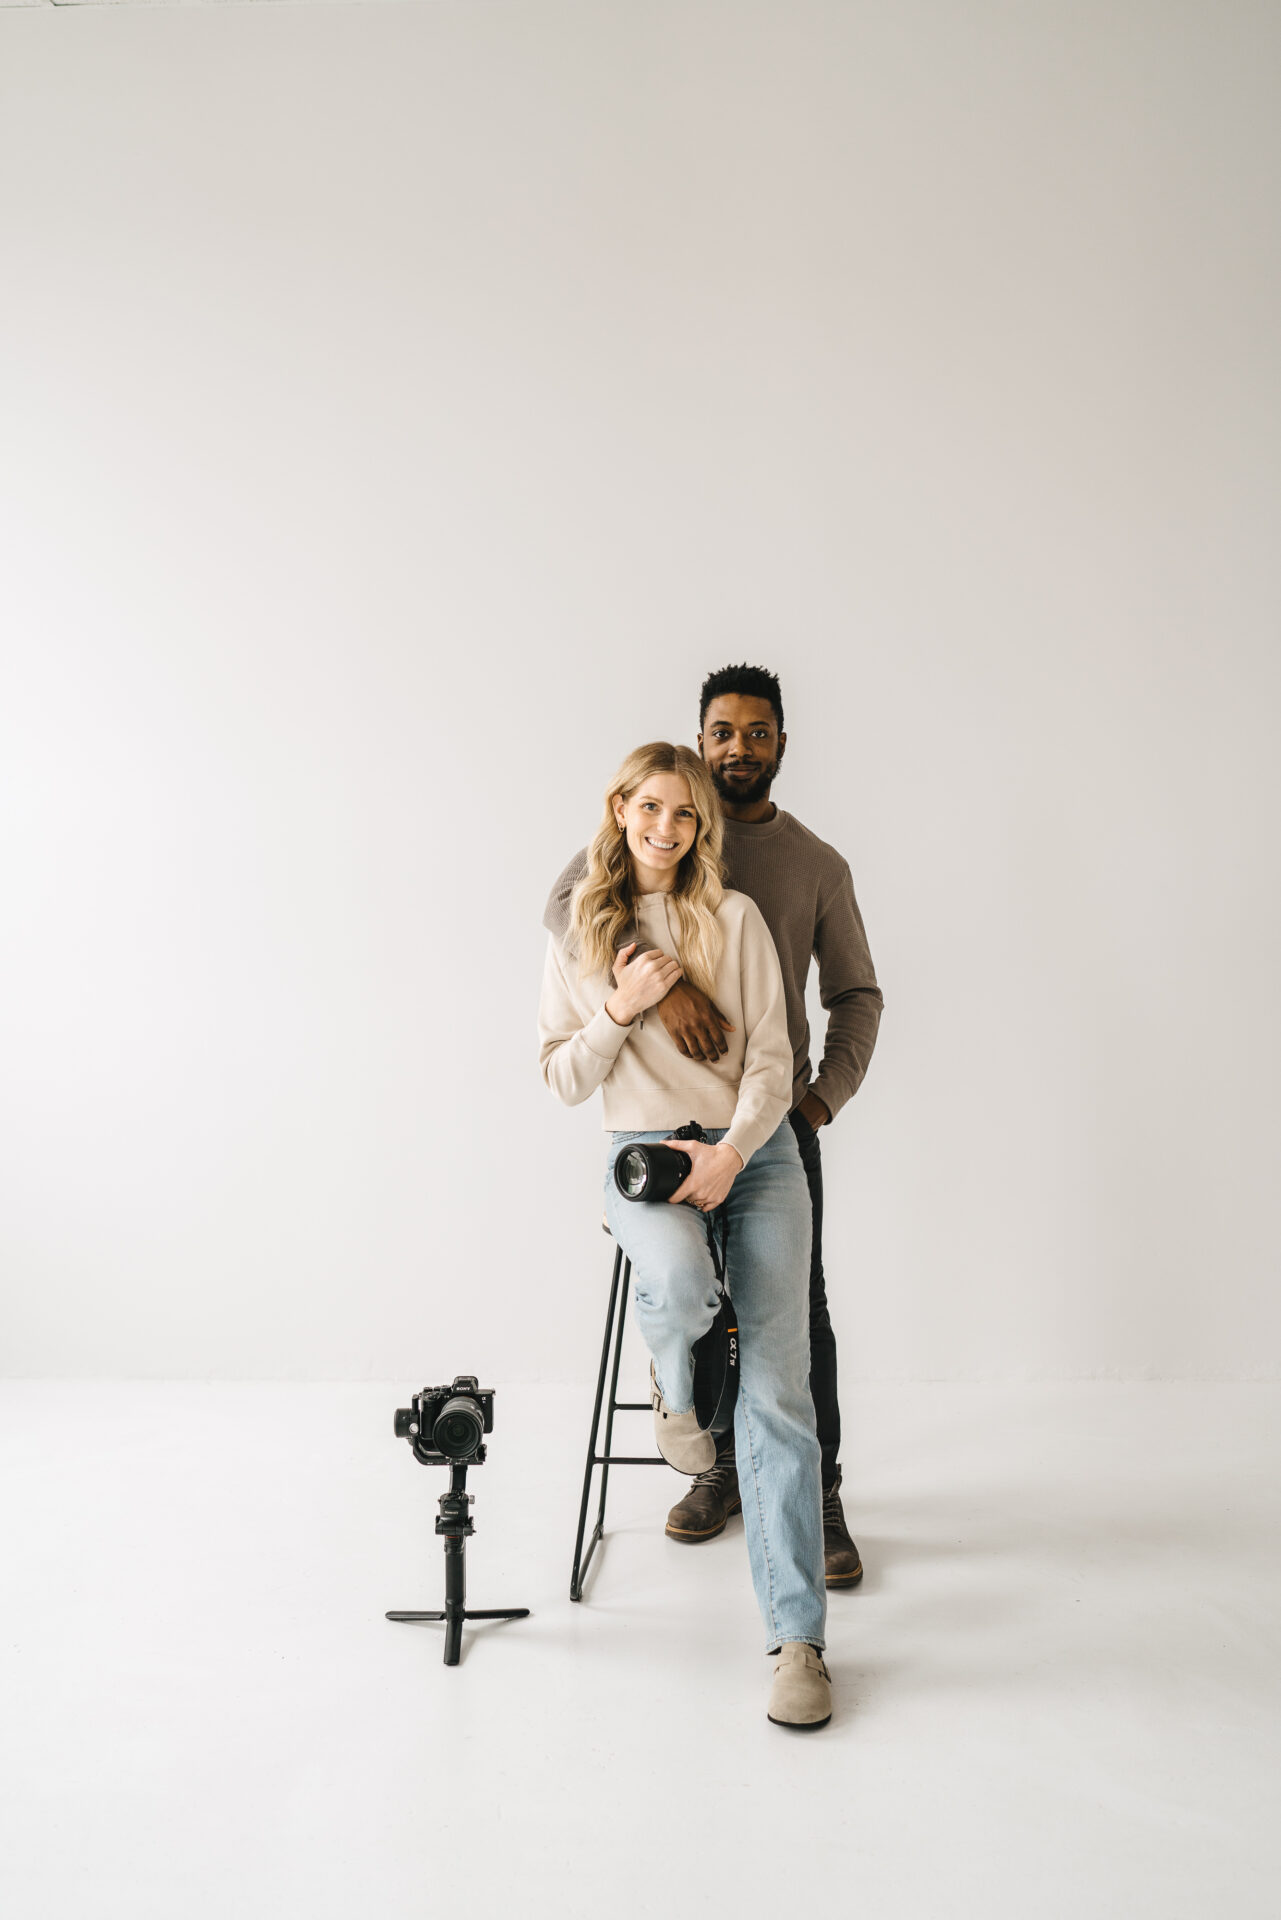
(712, 1174)
(641, 982)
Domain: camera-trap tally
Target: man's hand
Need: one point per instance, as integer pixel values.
(695, 1023)
(642, 982)
(811, 1108)
(711, 1175)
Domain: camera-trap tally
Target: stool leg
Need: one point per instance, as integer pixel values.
(613, 1392)
(576, 1577)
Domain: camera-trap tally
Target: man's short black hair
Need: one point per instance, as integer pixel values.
(758, 683)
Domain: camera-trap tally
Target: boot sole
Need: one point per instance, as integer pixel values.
(844, 1579)
(687, 1534)
(799, 1726)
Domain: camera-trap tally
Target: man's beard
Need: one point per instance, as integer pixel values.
(745, 793)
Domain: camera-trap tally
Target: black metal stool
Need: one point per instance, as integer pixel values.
(615, 1317)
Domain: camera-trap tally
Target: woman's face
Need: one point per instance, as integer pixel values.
(660, 824)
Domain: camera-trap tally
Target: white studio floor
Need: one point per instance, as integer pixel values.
(1056, 1689)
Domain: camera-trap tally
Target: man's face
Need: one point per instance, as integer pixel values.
(742, 746)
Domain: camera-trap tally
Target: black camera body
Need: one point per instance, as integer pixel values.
(445, 1426)
(645, 1172)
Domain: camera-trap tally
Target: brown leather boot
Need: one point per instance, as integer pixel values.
(712, 1497)
(841, 1559)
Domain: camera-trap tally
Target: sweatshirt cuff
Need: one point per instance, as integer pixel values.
(744, 1141)
(604, 1036)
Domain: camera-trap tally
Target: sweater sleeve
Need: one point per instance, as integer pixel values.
(556, 912)
(575, 1055)
(765, 1090)
(848, 991)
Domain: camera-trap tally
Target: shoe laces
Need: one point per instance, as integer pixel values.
(723, 1469)
(832, 1508)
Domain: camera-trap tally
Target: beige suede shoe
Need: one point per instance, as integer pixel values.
(801, 1695)
(679, 1438)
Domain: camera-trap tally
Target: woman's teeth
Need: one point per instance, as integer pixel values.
(663, 846)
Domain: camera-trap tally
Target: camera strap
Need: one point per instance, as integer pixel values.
(718, 1217)
(716, 1353)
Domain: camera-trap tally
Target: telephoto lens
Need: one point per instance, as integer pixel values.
(643, 1172)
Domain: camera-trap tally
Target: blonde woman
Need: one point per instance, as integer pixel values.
(650, 909)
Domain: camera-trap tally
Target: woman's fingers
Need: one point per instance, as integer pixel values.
(694, 1189)
(657, 973)
(620, 962)
(705, 1185)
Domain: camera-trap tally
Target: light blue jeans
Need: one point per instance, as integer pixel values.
(779, 1471)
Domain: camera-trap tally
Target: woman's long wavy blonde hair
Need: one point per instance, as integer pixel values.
(602, 910)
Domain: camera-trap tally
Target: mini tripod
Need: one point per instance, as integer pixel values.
(454, 1524)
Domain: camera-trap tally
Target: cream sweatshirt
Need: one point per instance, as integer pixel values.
(804, 889)
(646, 1080)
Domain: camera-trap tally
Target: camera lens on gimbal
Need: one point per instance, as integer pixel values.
(459, 1428)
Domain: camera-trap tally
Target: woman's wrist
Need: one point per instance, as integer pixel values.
(728, 1147)
(619, 1014)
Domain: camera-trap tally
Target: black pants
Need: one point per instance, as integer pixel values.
(822, 1340)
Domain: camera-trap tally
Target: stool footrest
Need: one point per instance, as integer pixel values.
(628, 1460)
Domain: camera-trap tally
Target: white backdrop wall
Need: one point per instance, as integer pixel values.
(403, 408)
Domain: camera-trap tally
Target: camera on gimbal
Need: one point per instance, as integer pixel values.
(448, 1424)
(445, 1427)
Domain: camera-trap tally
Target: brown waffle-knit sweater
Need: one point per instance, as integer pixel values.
(805, 892)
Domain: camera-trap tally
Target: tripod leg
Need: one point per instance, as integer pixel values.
(453, 1527)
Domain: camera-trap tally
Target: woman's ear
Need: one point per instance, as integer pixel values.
(620, 811)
